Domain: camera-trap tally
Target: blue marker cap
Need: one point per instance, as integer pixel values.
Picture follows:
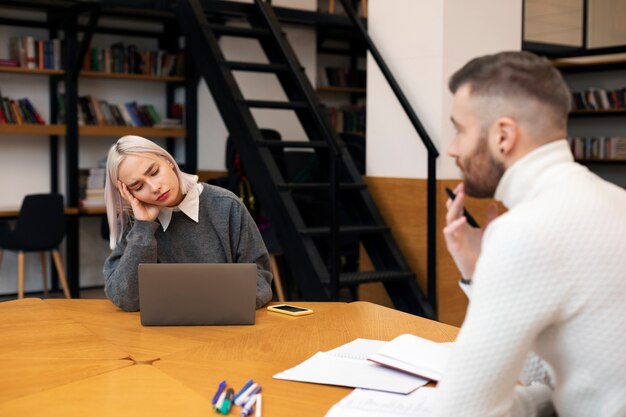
(220, 388)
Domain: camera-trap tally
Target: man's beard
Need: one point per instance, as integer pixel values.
(481, 171)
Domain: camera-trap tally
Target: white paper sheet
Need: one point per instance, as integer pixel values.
(366, 403)
(346, 366)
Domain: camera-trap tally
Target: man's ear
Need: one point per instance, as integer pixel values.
(507, 131)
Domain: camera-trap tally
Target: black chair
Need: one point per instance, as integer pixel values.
(40, 228)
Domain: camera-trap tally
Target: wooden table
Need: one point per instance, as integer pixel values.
(86, 357)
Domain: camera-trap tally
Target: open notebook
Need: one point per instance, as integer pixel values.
(414, 355)
(347, 366)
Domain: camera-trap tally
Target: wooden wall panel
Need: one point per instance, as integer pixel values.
(402, 203)
(205, 175)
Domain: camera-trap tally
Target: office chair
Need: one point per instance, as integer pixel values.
(40, 228)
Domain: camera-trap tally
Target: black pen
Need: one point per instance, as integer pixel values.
(470, 219)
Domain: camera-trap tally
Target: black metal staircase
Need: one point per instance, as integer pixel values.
(310, 241)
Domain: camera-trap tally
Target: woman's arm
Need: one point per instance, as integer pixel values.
(120, 268)
(250, 248)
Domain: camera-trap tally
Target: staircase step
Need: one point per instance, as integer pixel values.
(313, 186)
(292, 144)
(267, 104)
(348, 279)
(344, 230)
(242, 32)
(256, 67)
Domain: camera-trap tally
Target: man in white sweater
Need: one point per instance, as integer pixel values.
(549, 275)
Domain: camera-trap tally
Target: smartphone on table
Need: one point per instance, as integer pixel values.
(290, 310)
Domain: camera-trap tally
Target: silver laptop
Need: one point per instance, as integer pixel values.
(197, 294)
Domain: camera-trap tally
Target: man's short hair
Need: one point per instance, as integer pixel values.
(514, 76)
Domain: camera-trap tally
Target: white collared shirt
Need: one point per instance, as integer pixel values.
(190, 206)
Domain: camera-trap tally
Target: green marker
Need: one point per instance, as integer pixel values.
(228, 401)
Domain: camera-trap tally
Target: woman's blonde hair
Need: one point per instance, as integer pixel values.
(119, 211)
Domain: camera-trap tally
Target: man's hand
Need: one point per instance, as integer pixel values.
(462, 240)
(141, 210)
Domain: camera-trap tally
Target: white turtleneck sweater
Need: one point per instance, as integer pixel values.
(551, 278)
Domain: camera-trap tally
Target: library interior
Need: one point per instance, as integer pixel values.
(319, 133)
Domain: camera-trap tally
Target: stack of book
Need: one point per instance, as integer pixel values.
(94, 189)
(599, 148)
(29, 52)
(128, 59)
(19, 112)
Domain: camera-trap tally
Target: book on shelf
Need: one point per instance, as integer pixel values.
(19, 112)
(32, 53)
(340, 77)
(95, 112)
(598, 148)
(349, 119)
(599, 99)
(128, 59)
(9, 63)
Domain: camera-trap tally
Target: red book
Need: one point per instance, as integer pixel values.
(40, 55)
(9, 63)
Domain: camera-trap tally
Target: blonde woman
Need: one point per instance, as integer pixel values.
(159, 214)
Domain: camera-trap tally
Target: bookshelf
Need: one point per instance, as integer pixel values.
(32, 129)
(341, 78)
(340, 90)
(108, 131)
(135, 77)
(118, 131)
(599, 77)
(66, 143)
(29, 71)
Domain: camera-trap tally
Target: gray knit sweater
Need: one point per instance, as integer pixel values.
(224, 233)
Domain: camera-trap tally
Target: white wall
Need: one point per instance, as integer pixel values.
(24, 160)
(429, 41)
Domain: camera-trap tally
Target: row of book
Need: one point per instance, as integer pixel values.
(19, 112)
(28, 52)
(128, 59)
(350, 119)
(340, 77)
(602, 148)
(599, 99)
(92, 111)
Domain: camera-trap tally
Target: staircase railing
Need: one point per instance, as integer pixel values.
(433, 153)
